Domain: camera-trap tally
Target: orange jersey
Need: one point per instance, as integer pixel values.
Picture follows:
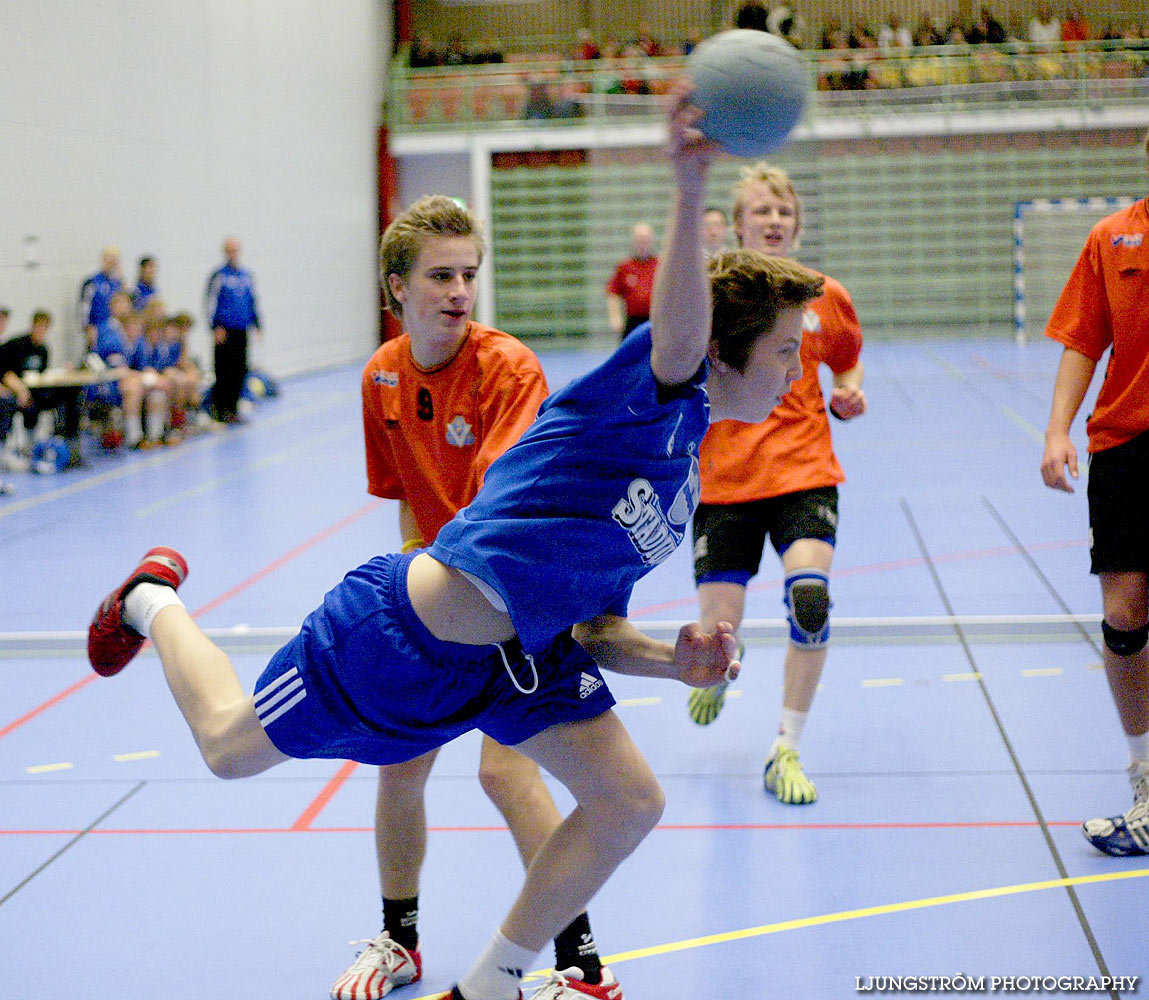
(432, 434)
(1105, 304)
(791, 449)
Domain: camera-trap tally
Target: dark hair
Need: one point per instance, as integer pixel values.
(751, 15)
(748, 290)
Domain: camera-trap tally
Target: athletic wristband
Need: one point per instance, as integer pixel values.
(412, 544)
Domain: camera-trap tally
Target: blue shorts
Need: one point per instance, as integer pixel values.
(364, 680)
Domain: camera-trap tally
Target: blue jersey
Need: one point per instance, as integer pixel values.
(142, 294)
(230, 300)
(597, 492)
(167, 354)
(143, 354)
(111, 344)
(95, 295)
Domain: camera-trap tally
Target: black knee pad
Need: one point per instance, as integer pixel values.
(1125, 643)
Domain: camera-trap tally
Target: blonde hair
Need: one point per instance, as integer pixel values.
(748, 290)
(777, 180)
(435, 215)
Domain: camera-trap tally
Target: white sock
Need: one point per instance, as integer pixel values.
(498, 971)
(155, 424)
(133, 429)
(790, 727)
(144, 602)
(1139, 748)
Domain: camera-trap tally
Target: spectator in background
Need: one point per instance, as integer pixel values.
(751, 15)
(147, 356)
(112, 347)
(985, 30)
(145, 283)
(629, 289)
(1045, 28)
(894, 35)
(28, 352)
(232, 311)
(585, 45)
(96, 295)
(181, 368)
(1075, 28)
(714, 227)
(646, 41)
(423, 53)
(455, 53)
(926, 32)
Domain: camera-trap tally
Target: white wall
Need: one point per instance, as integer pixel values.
(164, 127)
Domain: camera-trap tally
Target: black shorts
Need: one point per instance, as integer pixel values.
(1118, 497)
(729, 538)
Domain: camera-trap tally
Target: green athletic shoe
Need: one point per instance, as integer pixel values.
(785, 779)
(704, 704)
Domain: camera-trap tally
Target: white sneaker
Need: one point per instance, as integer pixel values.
(1126, 835)
(569, 985)
(378, 969)
(13, 461)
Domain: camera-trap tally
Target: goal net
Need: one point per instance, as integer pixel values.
(1048, 235)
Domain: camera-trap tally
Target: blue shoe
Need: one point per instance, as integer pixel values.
(1126, 835)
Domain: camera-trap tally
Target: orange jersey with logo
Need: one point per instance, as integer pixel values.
(790, 450)
(1105, 304)
(432, 434)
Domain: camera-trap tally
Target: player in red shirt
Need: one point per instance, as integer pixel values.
(779, 478)
(440, 403)
(1104, 306)
(629, 289)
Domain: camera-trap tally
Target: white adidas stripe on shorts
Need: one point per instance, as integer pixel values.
(280, 696)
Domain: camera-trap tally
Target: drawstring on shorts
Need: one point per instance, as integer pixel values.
(511, 670)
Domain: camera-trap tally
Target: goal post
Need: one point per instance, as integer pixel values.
(1048, 235)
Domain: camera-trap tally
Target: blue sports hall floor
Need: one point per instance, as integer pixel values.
(962, 731)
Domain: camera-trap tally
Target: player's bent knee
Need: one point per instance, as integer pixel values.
(807, 600)
(1125, 642)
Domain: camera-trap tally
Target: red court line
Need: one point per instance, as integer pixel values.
(54, 700)
(664, 828)
(212, 605)
(283, 560)
(325, 796)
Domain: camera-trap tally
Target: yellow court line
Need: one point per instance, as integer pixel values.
(119, 758)
(883, 682)
(1043, 672)
(634, 702)
(974, 676)
(865, 911)
(45, 768)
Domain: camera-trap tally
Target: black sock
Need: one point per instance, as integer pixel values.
(575, 946)
(401, 921)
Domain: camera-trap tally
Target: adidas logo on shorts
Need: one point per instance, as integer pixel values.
(588, 684)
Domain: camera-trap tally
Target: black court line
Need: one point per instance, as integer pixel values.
(1041, 822)
(1032, 564)
(72, 843)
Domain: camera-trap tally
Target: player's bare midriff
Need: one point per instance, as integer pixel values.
(452, 607)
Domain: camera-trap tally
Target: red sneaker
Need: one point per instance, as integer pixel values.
(111, 642)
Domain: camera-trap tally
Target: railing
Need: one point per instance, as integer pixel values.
(555, 92)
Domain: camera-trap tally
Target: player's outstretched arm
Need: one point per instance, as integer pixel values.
(698, 659)
(1073, 377)
(680, 302)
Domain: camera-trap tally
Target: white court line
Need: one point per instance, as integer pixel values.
(242, 637)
